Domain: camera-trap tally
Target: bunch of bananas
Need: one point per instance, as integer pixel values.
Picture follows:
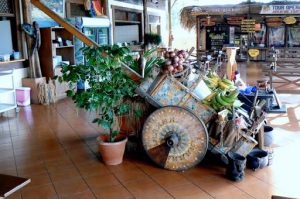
(226, 85)
(213, 81)
(219, 100)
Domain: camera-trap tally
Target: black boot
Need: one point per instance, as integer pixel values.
(235, 167)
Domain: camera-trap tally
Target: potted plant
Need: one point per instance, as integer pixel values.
(152, 39)
(108, 86)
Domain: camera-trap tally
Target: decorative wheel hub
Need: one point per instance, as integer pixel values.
(174, 138)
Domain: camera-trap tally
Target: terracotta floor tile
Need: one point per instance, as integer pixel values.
(126, 165)
(113, 192)
(151, 169)
(63, 173)
(142, 187)
(188, 191)
(133, 174)
(83, 195)
(6, 146)
(97, 168)
(33, 169)
(214, 185)
(45, 192)
(5, 154)
(37, 180)
(15, 195)
(70, 186)
(5, 141)
(161, 194)
(53, 155)
(11, 171)
(63, 161)
(234, 193)
(100, 181)
(7, 163)
(83, 157)
(256, 188)
(170, 180)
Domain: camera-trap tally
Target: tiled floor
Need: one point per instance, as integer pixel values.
(55, 147)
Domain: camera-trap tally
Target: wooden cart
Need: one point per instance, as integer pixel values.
(175, 136)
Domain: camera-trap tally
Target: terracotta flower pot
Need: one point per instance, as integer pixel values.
(124, 125)
(112, 152)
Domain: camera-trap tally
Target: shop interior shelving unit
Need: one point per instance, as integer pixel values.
(8, 91)
(50, 49)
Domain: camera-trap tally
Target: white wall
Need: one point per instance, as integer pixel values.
(161, 13)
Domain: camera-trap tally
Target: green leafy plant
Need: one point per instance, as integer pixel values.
(150, 58)
(151, 38)
(108, 85)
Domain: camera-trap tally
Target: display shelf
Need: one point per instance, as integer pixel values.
(70, 46)
(7, 14)
(7, 107)
(12, 61)
(125, 21)
(6, 90)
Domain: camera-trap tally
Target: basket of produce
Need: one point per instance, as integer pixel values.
(176, 64)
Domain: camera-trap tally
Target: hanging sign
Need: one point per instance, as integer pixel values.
(253, 52)
(235, 20)
(274, 21)
(280, 9)
(290, 20)
(248, 25)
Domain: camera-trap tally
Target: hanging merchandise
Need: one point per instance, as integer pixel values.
(260, 36)
(96, 8)
(293, 36)
(276, 36)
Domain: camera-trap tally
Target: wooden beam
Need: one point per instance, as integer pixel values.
(170, 23)
(146, 20)
(65, 24)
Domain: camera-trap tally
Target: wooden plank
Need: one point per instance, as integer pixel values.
(64, 23)
(12, 61)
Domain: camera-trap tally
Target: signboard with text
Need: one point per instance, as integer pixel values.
(248, 25)
(280, 9)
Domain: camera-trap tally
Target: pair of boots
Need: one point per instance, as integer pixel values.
(235, 167)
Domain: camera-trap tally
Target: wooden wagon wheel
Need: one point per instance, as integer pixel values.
(174, 138)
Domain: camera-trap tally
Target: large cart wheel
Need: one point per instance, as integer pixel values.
(174, 138)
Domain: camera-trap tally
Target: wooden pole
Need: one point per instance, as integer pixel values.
(62, 22)
(146, 20)
(170, 23)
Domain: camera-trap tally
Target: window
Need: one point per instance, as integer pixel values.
(276, 36)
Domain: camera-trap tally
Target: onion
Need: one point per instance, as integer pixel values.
(176, 64)
(175, 70)
(180, 62)
(180, 56)
(170, 68)
(180, 52)
(165, 71)
(184, 55)
(176, 59)
(172, 54)
(166, 55)
(168, 62)
(180, 67)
